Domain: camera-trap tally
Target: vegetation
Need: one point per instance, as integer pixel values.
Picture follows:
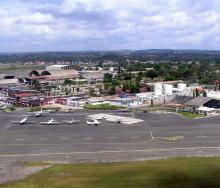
(38, 108)
(170, 173)
(190, 115)
(101, 107)
(9, 109)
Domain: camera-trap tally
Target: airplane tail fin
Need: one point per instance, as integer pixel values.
(151, 134)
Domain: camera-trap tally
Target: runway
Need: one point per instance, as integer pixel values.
(109, 141)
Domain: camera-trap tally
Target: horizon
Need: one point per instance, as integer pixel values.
(116, 25)
(122, 50)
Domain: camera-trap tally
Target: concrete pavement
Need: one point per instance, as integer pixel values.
(109, 141)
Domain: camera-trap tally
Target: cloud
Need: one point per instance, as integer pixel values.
(105, 25)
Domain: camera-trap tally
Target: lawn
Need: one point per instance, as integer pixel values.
(190, 115)
(102, 107)
(169, 173)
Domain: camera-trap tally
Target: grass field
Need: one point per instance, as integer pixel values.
(169, 173)
(190, 115)
(102, 107)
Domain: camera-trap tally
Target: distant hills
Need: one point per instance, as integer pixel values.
(120, 55)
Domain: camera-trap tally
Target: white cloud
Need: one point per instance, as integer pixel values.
(95, 24)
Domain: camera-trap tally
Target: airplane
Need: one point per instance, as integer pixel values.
(71, 122)
(4, 107)
(118, 121)
(50, 122)
(93, 122)
(23, 121)
(39, 113)
(98, 118)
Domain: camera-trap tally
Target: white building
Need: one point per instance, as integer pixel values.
(97, 100)
(56, 67)
(213, 94)
(76, 102)
(126, 102)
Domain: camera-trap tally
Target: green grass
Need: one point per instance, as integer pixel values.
(102, 107)
(169, 173)
(154, 108)
(190, 115)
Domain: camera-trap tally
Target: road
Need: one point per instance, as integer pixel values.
(109, 141)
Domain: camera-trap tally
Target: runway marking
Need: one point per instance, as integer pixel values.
(201, 136)
(111, 137)
(134, 137)
(64, 138)
(42, 138)
(88, 138)
(19, 139)
(113, 151)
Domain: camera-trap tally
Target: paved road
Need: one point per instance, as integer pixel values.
(173, 136)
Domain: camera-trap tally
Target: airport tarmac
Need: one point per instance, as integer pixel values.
(110, 141)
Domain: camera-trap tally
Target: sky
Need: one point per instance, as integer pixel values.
(81, 25)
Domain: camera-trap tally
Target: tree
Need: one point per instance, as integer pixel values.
(151, 74)
(204, 94)
(197, 92)
(91, 92)
(107, 78)
(67, 81)
(127, 76)
(134, 87)
(36, 84)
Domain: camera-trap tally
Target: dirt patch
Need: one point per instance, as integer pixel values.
(14, 171)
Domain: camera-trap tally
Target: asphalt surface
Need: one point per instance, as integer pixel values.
(173, 136)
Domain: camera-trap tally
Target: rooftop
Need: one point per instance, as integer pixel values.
(198, 101)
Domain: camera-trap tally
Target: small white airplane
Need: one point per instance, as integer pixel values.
(4, 107)
(93, 122)
(98, 118)
(50, 122)
(23, 121)
(71, 122)
(39, 113)
(119, 121)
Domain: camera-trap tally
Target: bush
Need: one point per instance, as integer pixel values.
(9, 109)
(34, 109)
(38, 108)
(102, 107)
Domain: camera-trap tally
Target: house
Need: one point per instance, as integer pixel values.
(178, 103)
(203, 105)
(76, 101)
(199, 105)
(128, 101)
(97, 100)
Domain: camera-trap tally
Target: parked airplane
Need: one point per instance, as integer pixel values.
(23, 121)
(97, 117)
(71, 122)
(39, 113)
(4, 107)
(119, 120)
(93, 122)
(50, 122)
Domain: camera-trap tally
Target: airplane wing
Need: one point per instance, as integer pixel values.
(56, 123)
(71, 122)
